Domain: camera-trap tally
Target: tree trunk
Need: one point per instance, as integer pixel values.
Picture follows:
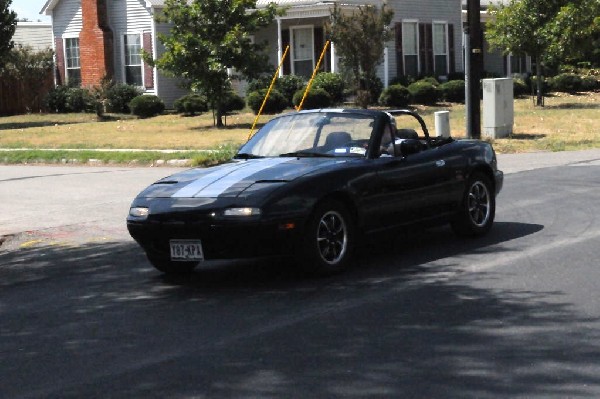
(539, 71)
(219, 118)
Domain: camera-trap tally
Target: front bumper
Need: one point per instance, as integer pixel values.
(220, 240)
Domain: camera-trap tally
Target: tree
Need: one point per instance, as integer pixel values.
(360, 39)
(8, 24)
(575, 31)
(32, 69)
(548, 30)
(208, 37)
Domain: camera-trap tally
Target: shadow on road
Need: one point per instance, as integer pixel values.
(390, 327)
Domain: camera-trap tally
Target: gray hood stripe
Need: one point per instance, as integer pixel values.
(217, 182)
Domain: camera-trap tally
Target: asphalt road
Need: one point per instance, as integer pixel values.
(424, 314)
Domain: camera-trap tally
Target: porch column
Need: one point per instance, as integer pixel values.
(279, 46)
(386, 68)
(333, 58)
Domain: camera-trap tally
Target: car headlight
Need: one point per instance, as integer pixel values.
(241, 212)
(139, 212)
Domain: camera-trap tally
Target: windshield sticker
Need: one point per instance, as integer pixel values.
(358, 150)
(341, 150)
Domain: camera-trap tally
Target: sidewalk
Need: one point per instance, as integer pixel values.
(513, 163)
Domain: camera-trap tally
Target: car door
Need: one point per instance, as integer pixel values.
(412, 188)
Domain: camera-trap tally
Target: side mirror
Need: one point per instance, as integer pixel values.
(410, 146)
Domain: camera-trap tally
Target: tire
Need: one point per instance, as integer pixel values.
(328, 240)
(169, 267)
(478, 207)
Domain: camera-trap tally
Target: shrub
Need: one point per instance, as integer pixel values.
(590, 83)
(80, 100)
(232, 102)
(566, 82)
(395, 96)
(274, 105)
(423, 92)
(56, 99)
(532, 83)
(332, 83)
(119, 96)
(191, 104)
(363, 98)
(520, 87)
(430, 79)
(258, 84)
(146, 106)
(288, 85)
(453, 91)
(373, 84)
(316, 98)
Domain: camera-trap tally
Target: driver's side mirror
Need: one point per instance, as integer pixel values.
(410, 146)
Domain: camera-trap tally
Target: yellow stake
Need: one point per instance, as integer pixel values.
(299, 107)
(268, 92)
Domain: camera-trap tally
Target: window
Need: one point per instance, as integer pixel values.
(410, 48)
(302, 51)
(132, 45)
(73, 64)
(440, 49)
(518, 64)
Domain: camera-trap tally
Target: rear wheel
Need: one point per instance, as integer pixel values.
(329, 239)
(170, 267)
(477, 209)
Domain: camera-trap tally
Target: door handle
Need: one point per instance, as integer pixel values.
(440, 163)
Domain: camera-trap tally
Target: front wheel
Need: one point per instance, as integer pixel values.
(329, 239)
(478, 207)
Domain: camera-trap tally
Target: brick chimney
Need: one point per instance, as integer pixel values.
(95, 43)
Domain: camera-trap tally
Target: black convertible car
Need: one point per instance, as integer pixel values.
(309, 184)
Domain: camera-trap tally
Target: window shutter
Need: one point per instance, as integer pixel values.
(399, 54)
(451, 48)
(319, 42)
(60, 61)
(148, 70)
(285, 41)
(426, 48)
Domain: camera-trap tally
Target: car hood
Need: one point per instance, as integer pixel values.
(237, 178)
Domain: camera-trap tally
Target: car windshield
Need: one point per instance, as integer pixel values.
(312, 134)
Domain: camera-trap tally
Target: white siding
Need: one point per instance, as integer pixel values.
(66, 18)
(34, 34)
(168, 88)
(426, 11)
(126, 16)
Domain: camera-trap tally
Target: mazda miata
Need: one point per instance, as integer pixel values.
(310, 185)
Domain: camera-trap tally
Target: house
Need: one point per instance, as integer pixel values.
(37, 35)
(97, 38)
(494, 62)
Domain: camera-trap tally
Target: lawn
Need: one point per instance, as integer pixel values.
(567, 122)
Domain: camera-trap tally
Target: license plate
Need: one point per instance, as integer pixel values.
(186, 250)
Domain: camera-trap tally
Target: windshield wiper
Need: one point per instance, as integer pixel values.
(245, 155)
(306, 154)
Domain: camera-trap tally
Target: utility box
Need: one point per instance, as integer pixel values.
(498, 107)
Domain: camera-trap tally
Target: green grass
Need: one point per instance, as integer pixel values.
(567, 122)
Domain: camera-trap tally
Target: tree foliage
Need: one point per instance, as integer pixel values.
(360, 38)
(209, 36)
(8, 24)
(551, 31)
(31, 68)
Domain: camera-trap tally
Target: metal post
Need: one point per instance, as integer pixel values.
(467, 52)
(476, 65)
